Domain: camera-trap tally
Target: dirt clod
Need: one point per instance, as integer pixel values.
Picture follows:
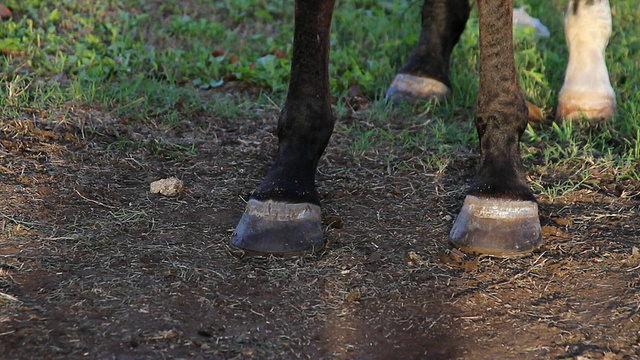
(169, 187)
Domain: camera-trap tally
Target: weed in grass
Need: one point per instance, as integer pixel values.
(363, 140)
(563, 131)
(531, 135)
(635, 146)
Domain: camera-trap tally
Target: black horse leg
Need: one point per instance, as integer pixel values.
(500, 214)
(283, 214)
(425, 75)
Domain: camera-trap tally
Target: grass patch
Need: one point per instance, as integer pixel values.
(155, 63)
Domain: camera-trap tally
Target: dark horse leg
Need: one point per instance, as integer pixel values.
(500, 214)
(283, 214)
(425, 75)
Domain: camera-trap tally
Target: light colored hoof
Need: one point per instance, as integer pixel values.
(498, 227)
(412, 89)
(587, 91)
(279, 228)
(579, 106)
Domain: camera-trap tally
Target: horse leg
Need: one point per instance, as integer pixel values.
(425, 75)
(283, 213)
(500, 214)
(587, 91)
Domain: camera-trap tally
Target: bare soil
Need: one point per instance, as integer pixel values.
(92, 265)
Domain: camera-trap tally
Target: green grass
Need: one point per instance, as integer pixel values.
(158, 62)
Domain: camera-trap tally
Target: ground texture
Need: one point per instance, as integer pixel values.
(92, 265)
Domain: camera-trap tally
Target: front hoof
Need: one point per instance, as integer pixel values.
(498, 227)
(278, 228)
(412, 89)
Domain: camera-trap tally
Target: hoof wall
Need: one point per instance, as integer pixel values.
(582, 107)
(278, 228)
(411, 89)
(497, 227)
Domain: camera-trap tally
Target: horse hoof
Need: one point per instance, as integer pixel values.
(278, 228)
(576, 107)
(412, 89)
(497, 227)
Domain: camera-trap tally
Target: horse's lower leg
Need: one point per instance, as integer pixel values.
(425, 75)
(587, 91)
(500, 214)
(283, 213)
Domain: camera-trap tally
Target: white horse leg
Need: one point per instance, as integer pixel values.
(587, 91)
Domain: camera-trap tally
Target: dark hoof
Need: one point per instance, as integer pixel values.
(278, 228)
(498, 227)
(412, 89)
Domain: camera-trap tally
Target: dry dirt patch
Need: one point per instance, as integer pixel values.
(93, 265)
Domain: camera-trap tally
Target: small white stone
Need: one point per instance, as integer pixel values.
(169, 187)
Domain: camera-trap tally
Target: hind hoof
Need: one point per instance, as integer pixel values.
(578, 107)
(411, 89)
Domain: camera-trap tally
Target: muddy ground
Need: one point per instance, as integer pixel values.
(92, 265)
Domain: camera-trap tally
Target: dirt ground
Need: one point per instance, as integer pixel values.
(92, 265)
